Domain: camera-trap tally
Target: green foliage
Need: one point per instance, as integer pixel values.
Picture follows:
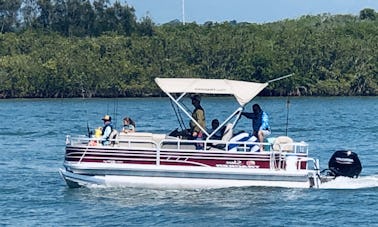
(368, 14)
(94, 49)
(8, 14)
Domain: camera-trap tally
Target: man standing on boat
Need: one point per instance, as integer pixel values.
(260, 123)
(198, 115)
(106, 130)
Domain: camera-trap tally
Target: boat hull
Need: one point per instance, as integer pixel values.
(141, 161)
(180, 177)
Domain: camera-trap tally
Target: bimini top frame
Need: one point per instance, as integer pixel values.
(243, 91)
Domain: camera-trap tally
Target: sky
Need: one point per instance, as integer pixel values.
(253, 11)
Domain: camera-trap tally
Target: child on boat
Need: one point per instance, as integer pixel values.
(128, 125)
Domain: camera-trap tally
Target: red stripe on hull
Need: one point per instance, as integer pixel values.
(179, 158)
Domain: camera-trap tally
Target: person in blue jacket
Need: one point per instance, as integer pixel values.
(260, 123)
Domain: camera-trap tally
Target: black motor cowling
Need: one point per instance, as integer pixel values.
(345, 163)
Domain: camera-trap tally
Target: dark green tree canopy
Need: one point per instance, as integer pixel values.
(75, 48)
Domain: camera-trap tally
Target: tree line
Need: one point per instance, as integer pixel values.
(82, 48)
(78, 18)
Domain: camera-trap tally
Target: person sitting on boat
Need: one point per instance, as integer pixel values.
(260, 123)
(128, 125)
(95, 137)
(198, 115)
(219, 134)
(106, 130)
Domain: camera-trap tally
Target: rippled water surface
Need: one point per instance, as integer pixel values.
(32, 150)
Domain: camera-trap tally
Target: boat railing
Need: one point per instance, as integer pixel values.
(117, 142)
(278, 155)
(159, 141)
(179, 144)
(285, 151)
(307, 160)
(210, 145)
(79, 140)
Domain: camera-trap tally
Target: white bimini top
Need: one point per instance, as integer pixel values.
(243, 91)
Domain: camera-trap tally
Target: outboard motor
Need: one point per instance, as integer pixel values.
(345, 163)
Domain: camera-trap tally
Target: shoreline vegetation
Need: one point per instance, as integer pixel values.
(76, 48)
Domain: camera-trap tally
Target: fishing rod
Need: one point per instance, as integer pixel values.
(178, 116)
(287, 102)
(86, 109)
(115, 111)
(287, 113)
(89, 131)
(280, 78)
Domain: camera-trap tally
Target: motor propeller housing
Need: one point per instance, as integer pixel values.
(345, 163)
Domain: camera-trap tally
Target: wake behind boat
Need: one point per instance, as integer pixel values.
(145, 159)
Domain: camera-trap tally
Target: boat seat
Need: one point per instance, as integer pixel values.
(227, 135)
(243, 137)
(157, 138)
(228, 132)
(137, 139)
(137, 135)
(283, 143)
(113, 137)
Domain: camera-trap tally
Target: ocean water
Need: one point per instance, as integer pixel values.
(32, 150)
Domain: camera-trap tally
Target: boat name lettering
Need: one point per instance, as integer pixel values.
(344, 160)
(112, 161)
(209, 90)
(235, 162)
(236, 166)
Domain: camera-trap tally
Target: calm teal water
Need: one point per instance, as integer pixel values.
(32, 150)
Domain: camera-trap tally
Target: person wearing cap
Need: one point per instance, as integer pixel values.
(198, 114)
(106, 130)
